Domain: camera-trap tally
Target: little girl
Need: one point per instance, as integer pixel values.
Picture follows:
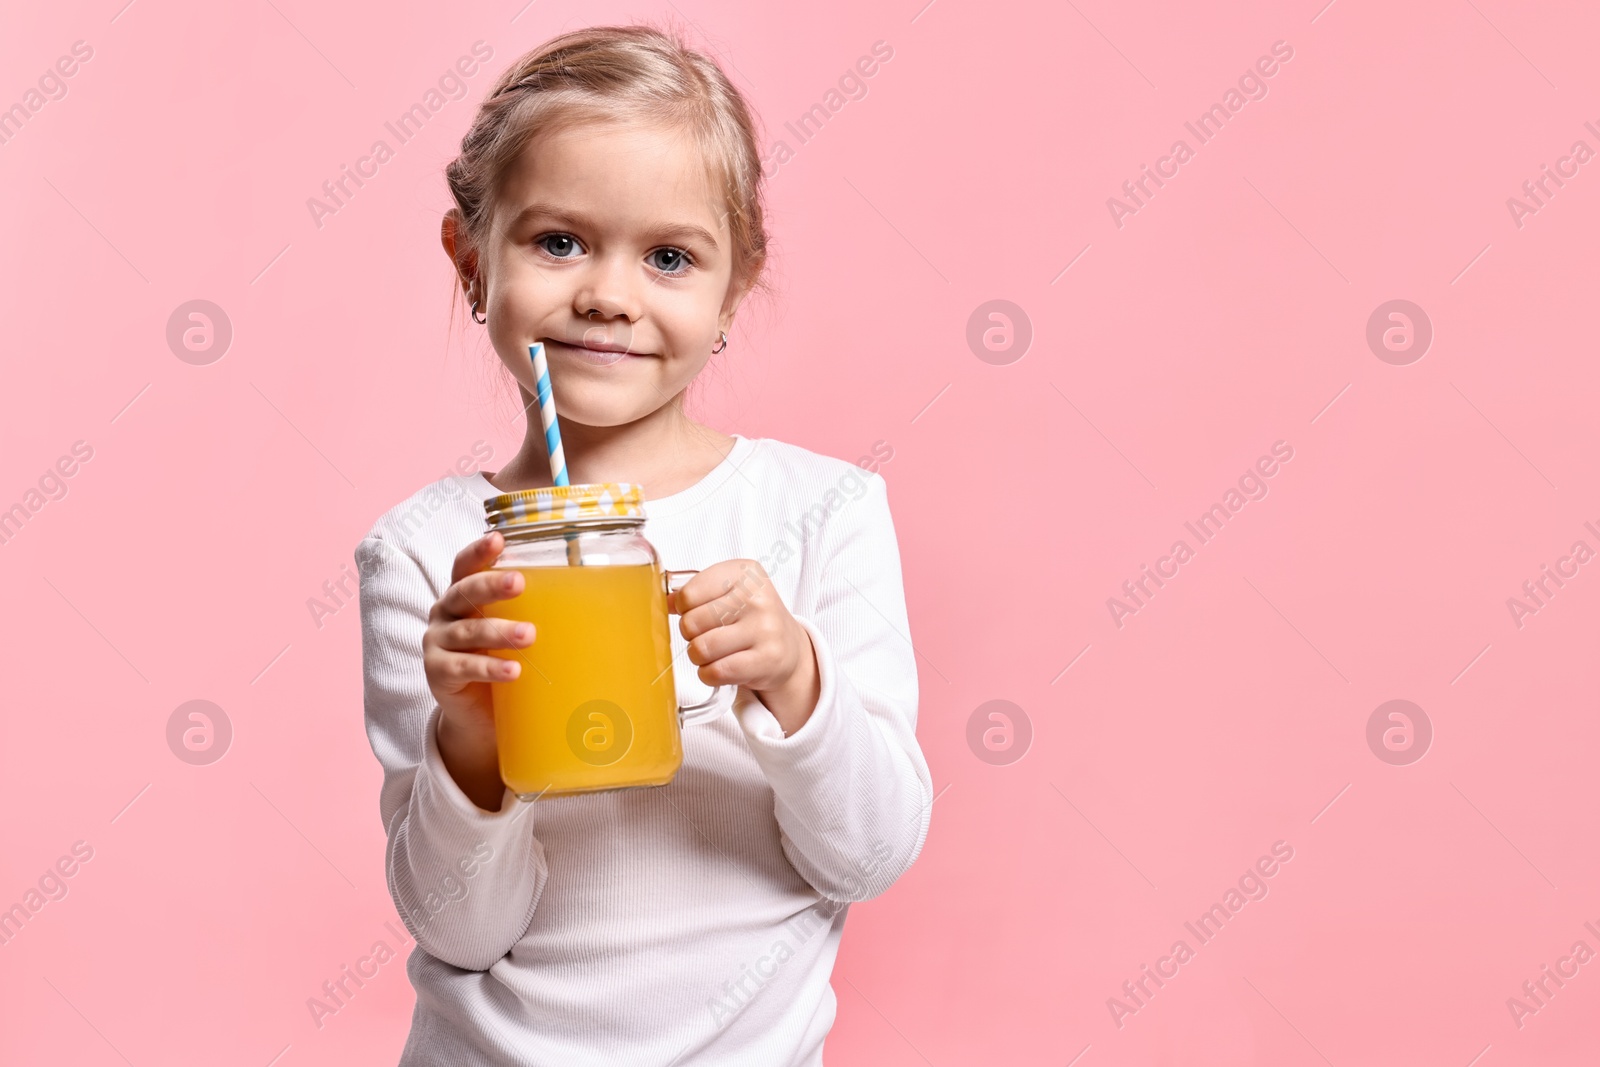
(608, 205)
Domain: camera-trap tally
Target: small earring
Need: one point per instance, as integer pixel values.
(723, 342)
(475, 314)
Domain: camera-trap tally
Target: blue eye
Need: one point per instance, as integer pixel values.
(562, 239)
(677, 258)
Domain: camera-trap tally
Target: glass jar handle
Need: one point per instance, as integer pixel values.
(707, 709)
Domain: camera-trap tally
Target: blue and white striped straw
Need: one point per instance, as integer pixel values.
(547, 413)
(552, 434)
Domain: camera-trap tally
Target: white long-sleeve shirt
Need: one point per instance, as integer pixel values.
(695, 923)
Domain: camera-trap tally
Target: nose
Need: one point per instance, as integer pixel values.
(608, 290)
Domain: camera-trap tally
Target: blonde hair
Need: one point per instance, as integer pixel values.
(610, 74)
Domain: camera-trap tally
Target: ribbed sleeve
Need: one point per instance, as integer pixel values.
(853, 792)
(465, 880)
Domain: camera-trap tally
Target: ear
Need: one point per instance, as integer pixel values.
(452, 234)
(730, 305)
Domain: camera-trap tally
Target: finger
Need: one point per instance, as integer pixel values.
(740, 668)
(725, 610)
(478, 556)
(710, 583)
(466, 598)
(691, 594)
(746, 597)
(468, 634)
(460, 669)
(722, 641)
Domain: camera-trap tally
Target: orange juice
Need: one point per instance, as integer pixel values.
(595, 706)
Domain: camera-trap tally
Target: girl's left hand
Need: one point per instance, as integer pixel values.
(740, 632)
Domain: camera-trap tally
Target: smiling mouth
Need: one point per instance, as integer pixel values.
(598, 356)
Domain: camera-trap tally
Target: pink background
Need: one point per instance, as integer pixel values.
(1230, 312)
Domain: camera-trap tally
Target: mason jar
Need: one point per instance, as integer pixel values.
(595, 706)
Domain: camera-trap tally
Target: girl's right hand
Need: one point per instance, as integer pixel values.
(458, 675)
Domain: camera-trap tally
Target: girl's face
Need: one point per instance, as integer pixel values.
(611, 246)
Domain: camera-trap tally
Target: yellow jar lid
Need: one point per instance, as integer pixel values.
(562, 503)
